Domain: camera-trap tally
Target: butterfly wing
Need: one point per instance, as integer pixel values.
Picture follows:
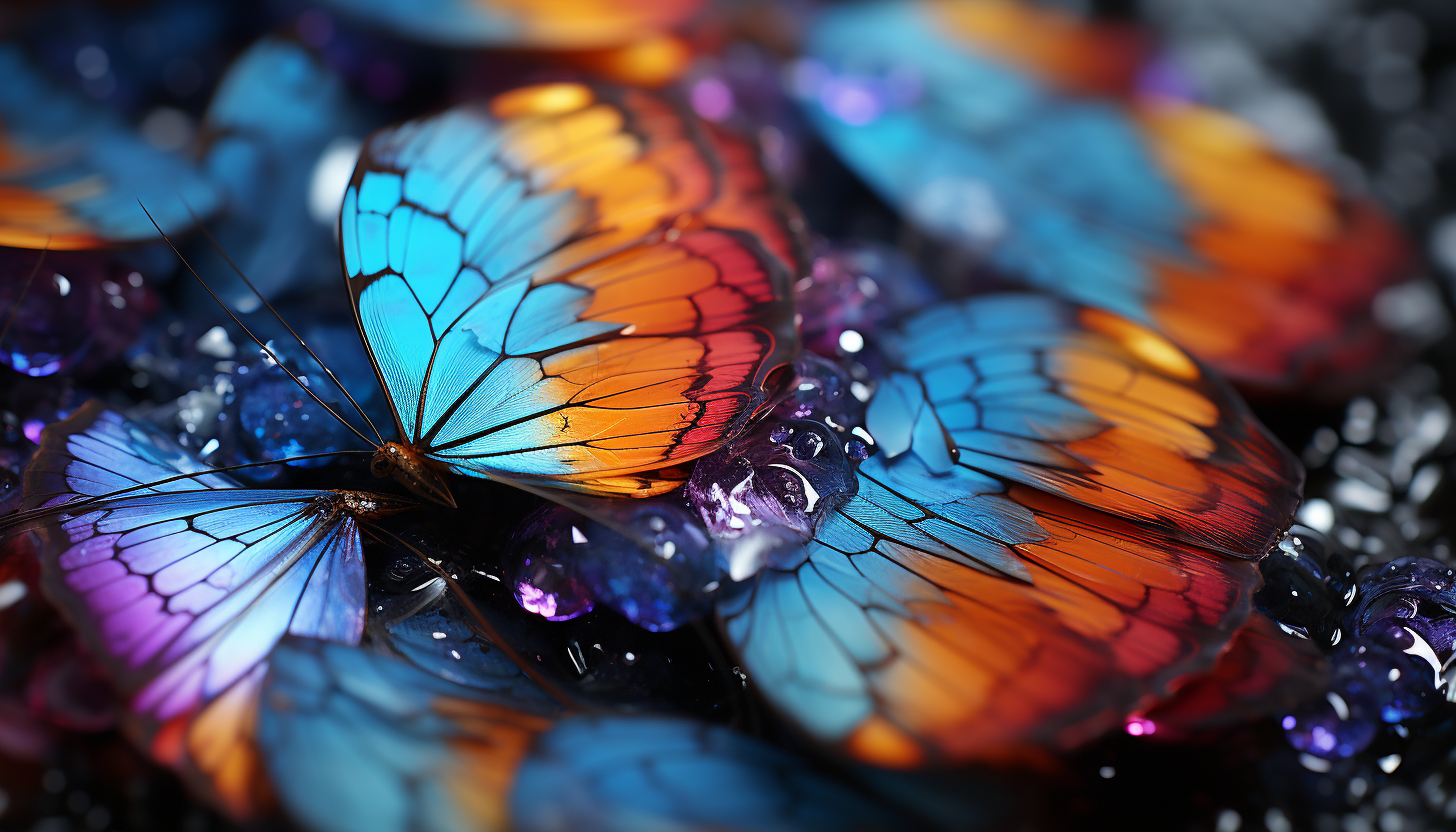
(276, 112)
(1263, 672)
(182, 590)
(357, 740)
(71, 175)
(553, 24)
(568, 286)
(1050, 533)
(1167, 213)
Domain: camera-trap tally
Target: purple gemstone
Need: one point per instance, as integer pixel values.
(823, 391)
(543, 574)
(783, 474)
(854, 291)
(1334, 726)
(1413, 595)
(662, 574)
(52, 316)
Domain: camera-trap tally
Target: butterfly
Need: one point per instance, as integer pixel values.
(1060, 522)
(553, 24)
(569, 287)
(1016, 133)
(71, 173)
(180, 582)
(356, 739)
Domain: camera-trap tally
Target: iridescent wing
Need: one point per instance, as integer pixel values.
(182, 590)
(1167, 213)
(1051, 532)
(356, 740)
(553, 24)
(572, 287)
(71, 174)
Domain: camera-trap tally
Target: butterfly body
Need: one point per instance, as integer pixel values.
(412, 470)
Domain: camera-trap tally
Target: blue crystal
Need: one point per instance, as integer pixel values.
(1400, 683)
(278, 419)
(660, 575)
(1296, 592)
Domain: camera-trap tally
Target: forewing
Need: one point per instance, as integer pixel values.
(182, 593)
(570, 286)
(1042, 543)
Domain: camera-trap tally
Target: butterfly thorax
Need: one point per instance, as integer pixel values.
(412, 470)
(365, 505)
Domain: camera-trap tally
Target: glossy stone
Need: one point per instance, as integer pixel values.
(277, 419)
(782, 473)
(541, 568)
(1336, 725)
(1298, 592)
(660, 575)
(823, 391)
(853, 292)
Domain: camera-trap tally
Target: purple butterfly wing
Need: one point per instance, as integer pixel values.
(183, 589)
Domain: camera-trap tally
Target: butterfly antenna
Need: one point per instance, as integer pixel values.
(15, 310)
(23, 517)
(266, 350)
(480, 620)
(286, 325)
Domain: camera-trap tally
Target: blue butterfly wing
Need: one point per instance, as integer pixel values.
(358, 740)
(981, 159)
(1047, 536)
(573, 286)
(71, 174)
(429, 629)
(978, 122)
(628, 773)
(182, 590)
(597, 23)
(275, 113)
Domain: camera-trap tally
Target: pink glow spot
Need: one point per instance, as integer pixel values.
(32, 428)
(1140, 727)
(712, 99)
(534, 599)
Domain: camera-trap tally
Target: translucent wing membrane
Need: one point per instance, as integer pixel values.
(572, 287)
(564, 24)
(358, 740)
(71, 175)
(182, 590)
(1049, 534)
(1164, 212)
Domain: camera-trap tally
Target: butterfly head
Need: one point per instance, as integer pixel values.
(394, 459)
